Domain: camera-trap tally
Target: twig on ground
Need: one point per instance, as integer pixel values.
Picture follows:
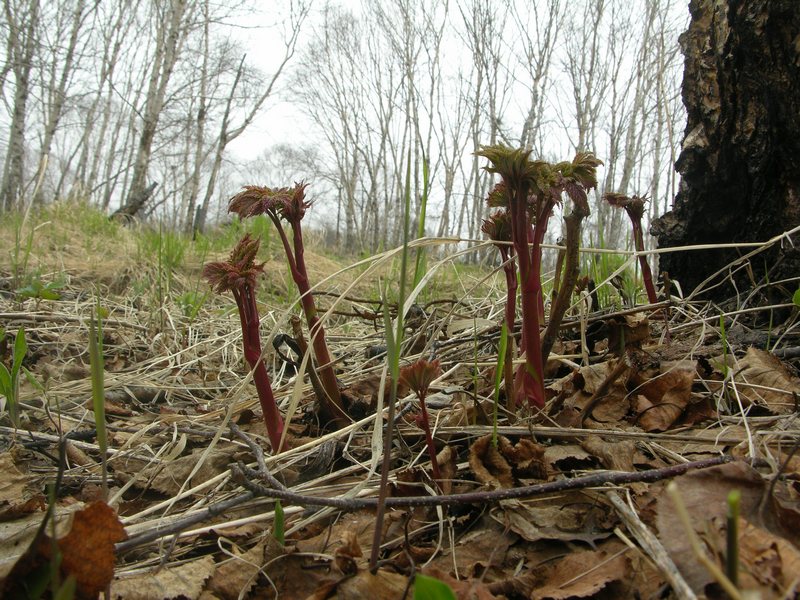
(598, 479)
(651, 546)
(212, 510)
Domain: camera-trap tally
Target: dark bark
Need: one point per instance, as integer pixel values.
(740, 163)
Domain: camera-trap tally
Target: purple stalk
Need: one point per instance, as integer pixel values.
(289, 204)
(535, 186)
(418, 378)
(634, 206)
(238, 275)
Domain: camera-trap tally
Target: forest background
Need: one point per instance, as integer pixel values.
(162, 109)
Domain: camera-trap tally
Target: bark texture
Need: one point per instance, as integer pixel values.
(740, 161)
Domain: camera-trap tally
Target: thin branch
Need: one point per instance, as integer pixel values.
(598, 479)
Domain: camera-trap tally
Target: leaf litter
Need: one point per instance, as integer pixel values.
(652, 396)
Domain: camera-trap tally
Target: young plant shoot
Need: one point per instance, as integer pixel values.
(238, 275)
(634, 206)
(498, 228)
(290, 205)
(532, 189)
(418, 377)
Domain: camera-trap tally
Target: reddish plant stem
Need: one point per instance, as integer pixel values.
(530, 381)
(251, 341)
(647, 275)
(510, 316)
(426, 427)
(297, 266)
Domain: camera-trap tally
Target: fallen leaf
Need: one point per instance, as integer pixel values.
(488, 465)
(383, 585)
(583, 574)
(661, 399)
(481, 552)
(766, 561)
(168, 477)
(182, 581)
(705, 493)
(771, 385)
(570, 518)
(19, 492)
(87, 551)
(345, 555)
(500, 466)
(235, 576)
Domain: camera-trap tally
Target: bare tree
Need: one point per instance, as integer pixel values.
(172, 26)
(68, 20)
(22, 20)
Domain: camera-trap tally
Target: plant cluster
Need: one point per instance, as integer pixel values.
(526, 196)
(238, 275)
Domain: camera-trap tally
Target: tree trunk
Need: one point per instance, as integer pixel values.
(21, 47)
(740, 161)
(167, 50)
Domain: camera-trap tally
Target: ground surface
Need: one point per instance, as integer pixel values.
(673, 390)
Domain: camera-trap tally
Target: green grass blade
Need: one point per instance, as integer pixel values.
(498, 376)
(98, 391)
(419, 267)
(279, 526)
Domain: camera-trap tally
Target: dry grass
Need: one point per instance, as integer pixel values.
(175, 381)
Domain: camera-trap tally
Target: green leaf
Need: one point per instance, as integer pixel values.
(498, 376)
(796, 298)
(5, 381)
(278, 529)
(67, 589)
(20, 349)
(430, 588)
(32, 379)
(98, 391)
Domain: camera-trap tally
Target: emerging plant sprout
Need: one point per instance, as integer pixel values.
(290, 205)
(238, 275)
(634, 206)
(498, 228)
(531, 190)
(418, 377)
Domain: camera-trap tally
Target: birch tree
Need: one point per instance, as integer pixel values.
(22, 20)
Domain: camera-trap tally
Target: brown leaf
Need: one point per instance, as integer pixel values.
(583, 574)
(500, 466)
(384, 585)
(488, 465)
(18, 491)
(87, 551)
(168, 477)
(661, 400)
(345, 555)
(570, 518)
(238, 574)
(771, 385)
(183, 581)
(480, 552)
(705, 493)
(766, 561)
(628, 331)
(615, 456)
